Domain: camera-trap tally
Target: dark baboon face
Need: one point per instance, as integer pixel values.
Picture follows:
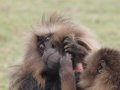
(103, 68)
(67, 45)
(44, 42)
(64, 43)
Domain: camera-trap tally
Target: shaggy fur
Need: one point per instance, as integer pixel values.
(28, 75)
(102, 71)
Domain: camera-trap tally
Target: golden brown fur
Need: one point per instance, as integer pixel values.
(32, 65)
(106, 77)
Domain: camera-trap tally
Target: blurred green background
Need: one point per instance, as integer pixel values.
(18, 16)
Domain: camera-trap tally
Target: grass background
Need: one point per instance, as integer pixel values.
(18, 16)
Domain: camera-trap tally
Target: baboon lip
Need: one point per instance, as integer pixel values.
(79, 68)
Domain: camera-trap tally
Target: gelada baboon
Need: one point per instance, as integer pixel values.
(54, 56)
(102, 71)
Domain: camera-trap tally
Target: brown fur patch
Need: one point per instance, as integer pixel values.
(109, 78)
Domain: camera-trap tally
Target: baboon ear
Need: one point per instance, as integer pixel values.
(103, 63)
(101, 66)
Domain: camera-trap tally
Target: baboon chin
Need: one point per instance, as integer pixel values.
(102, 71)
(54, 55)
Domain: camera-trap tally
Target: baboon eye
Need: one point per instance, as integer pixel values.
(103, 63)
(40, 39)
(40, 42)
(41, 46)
(47, 39)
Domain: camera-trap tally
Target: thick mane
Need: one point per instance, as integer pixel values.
(65, 26)
(51, 23)
(54, 19)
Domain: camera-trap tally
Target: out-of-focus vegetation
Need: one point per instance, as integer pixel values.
(18, 16)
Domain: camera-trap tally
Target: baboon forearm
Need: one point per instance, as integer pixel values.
(67, 80)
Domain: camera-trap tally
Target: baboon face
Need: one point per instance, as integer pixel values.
(65, 44)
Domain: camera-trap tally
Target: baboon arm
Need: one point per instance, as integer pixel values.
(67, 74)
(67, 80)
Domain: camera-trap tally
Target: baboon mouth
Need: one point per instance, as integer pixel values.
(79, 68)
